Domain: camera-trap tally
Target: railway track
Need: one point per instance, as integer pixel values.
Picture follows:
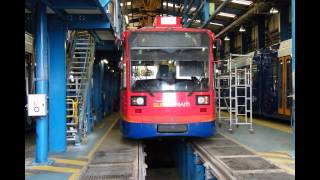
(117, 158)
(227, 160)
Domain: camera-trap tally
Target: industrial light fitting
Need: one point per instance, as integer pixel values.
(274, 10)
(226, 38)
(243, 2)
(229, 15)
(128, 4)
(242, 29)
(105, 61)
(217, 24)
(126, 19)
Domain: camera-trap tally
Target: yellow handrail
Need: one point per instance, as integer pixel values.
(74, 114)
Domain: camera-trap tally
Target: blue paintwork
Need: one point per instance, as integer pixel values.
(57, 88)
(205, 11)
(96, 88)
(41, 83)
(49, 176)
(82, 21)
(149, 130)
(265, 91)
(293, 64)
(89, 108)
(63, 4)
(101, 81)
(188, 164)
(102, 5)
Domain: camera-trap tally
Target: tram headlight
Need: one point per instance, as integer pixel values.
(203, 100)
(138, 100)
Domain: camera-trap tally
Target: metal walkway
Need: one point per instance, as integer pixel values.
(226, 159)
(116, 158)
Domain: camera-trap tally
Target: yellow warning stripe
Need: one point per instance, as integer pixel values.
(101, 126)
(277, 162)
(280, 160)
(70, 161)
(275, 154)
(56, 169)
(74, 176)
(96, 146)
(273, 125)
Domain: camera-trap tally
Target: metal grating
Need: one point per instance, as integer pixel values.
(103, 177)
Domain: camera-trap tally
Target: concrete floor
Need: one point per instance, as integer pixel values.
(273, 141)
(67, 165)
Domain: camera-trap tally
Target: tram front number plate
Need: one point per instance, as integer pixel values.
(172, 128)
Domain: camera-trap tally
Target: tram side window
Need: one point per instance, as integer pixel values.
(289, 81)
(123, 72)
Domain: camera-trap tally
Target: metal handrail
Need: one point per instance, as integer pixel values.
(74, 114)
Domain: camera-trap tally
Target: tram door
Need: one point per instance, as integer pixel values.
(284, 107)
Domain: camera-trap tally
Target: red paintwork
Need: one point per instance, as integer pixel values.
(150, 114)
(157, 23)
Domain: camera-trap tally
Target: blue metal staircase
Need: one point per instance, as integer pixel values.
(79, 72)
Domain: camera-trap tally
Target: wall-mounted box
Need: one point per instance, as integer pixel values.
(37, 104)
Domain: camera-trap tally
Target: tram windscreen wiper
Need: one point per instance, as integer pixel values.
(144, 86)
(195, 87)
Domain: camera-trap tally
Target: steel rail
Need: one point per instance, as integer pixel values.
(218, 169)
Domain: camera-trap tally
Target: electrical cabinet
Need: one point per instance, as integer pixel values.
(37, 104)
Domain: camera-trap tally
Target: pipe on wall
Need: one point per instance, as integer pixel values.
(258, 7)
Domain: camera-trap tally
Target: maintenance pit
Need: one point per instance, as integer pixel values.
(112, 156)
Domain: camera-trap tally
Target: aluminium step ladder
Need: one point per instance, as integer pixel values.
(233, 84)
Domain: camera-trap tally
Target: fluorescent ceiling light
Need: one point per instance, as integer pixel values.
(218, 24)
(126, 19)
(128, 4)
(243, 2)
(227, 38)
(169, 4)
(226, 14)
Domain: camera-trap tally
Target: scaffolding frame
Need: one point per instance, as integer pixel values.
(233, 84)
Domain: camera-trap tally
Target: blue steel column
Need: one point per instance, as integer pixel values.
(57, 87)
(89, 107)
(42, 83)
(97, 90)
(101, 81)
(293, 70)
(206, 11)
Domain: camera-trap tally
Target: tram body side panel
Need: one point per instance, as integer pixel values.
(270, 88)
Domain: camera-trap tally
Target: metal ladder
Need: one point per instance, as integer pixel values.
(234, 91)
(78, 78)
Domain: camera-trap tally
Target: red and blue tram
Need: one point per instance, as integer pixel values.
(167, 81)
